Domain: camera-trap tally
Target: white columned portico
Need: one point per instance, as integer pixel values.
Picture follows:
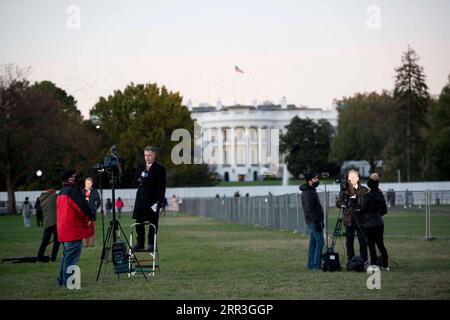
(245, 132)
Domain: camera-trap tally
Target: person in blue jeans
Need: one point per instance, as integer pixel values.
(71, 256)
(313, 213)
(74, 222)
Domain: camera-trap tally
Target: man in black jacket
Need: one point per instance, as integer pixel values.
(314, 219)
(39, 216)
(351, 215)
(151, 179)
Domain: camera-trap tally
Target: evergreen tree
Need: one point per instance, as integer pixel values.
(440, 133)
(412, 102)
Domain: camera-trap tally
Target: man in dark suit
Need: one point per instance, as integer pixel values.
(151, 179)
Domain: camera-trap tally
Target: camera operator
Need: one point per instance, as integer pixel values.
(372, 209)
(350, 198)
(151, 178)
(73, 222)
(314, 219)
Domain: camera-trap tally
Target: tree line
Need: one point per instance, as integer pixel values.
(405, 128)
(42, 129)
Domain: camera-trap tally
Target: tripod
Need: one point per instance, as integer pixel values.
(101, 203)
(113, 229)
(337, 230)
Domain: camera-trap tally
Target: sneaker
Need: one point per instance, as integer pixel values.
(385, 269)
(150, 249)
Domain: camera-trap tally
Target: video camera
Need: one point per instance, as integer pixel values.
(344, 183)
(112, 163)
(348, 201)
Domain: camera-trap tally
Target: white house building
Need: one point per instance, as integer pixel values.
(239, 136)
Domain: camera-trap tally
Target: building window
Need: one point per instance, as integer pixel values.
(254, 154)
(226, 133)
(240, 155)
(240, 135)
(264, 135)
(227, 155)
(213, 135)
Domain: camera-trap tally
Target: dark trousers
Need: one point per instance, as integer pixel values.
(350, 239)
(375, 236)
(48, 232)
(140, 230)
(39, 219)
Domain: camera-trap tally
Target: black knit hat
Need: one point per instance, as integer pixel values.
(372, 184)
(310, 175)
(67, 174)
(373, 181)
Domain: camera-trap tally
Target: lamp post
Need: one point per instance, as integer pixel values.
(39, 175)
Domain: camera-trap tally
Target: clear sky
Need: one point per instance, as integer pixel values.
(311, 52)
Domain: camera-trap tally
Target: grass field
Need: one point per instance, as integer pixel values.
(208, 259)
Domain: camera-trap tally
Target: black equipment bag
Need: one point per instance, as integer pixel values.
(331, 261)
(120, 257)
(356, 264)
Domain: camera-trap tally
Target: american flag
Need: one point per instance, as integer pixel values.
(237, 69)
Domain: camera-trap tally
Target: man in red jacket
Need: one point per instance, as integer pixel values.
(74, 222)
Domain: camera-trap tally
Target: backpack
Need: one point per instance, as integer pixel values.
(331, 261)
(356, 264)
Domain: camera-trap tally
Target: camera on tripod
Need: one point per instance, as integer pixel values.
(344, 183)
(112, 163)
(349, 199)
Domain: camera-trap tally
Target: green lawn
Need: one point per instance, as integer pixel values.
(208, 259)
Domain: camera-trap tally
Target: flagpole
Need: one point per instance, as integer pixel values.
(235, 87)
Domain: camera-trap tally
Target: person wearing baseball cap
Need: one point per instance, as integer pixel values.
(73, 222)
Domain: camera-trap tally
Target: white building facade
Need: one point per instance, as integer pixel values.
(239, 137)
